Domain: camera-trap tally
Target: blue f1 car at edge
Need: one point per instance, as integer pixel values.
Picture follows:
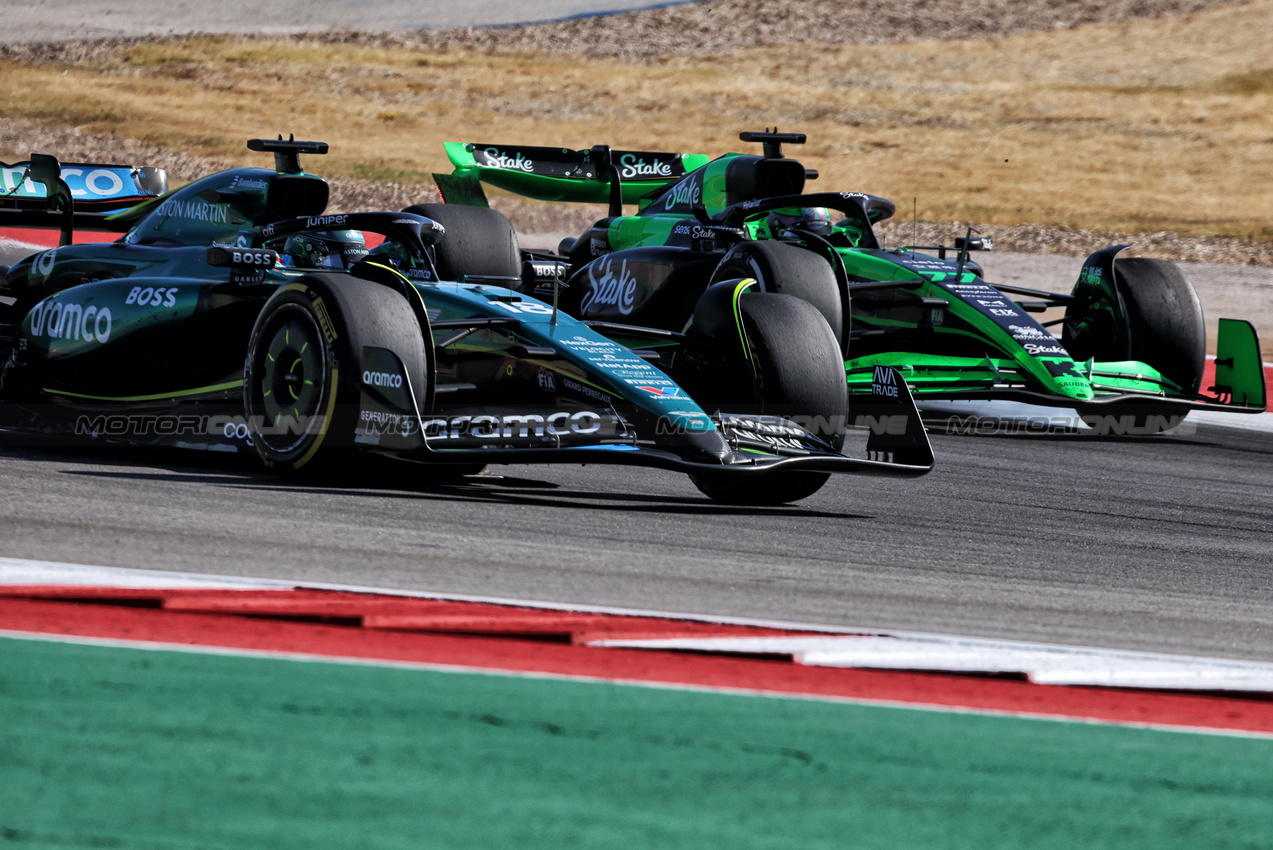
(234, 314)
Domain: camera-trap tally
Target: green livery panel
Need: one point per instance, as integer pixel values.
(1132, 333)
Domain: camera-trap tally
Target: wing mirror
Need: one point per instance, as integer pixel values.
(974, 243)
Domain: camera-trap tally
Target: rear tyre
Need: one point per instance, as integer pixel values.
(478, 242)
(304, 366)
(798, 375)
(788, 270)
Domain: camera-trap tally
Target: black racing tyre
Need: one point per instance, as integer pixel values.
(1167, 330)
(478, 242)
(1164, 318)
(799, 376)
(789, 270)
(1164, 328)
(304, 367)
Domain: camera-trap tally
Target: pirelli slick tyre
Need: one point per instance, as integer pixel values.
(1164, 317)
(788, 270)
(1162, 324)
(796, 373)
(303, 370)
(1164, 328)
(478, 242)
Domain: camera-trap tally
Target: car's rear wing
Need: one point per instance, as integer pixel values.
(44, 193)
(558, 174)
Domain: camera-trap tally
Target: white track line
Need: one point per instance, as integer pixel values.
(1043, 663)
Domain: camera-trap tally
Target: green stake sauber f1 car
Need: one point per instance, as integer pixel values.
(1132, 346)
(235, 314)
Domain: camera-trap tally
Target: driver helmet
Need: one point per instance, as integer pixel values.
(815, 220)
(331, 249)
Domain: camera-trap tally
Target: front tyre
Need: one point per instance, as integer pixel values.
(796, 373)
(1164, 318)
(302, 375)
(291, 382)
(1163, 326)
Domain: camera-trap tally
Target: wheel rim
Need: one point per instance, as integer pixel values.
(289, 385)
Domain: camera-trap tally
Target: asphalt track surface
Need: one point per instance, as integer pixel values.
(1162, 544)
(61, 20)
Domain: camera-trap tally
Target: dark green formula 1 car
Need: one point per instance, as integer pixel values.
(1132, 346)
(234, 314)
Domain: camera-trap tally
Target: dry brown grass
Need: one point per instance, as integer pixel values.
(1145, 125)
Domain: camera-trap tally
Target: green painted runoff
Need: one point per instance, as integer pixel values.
(143, 749)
